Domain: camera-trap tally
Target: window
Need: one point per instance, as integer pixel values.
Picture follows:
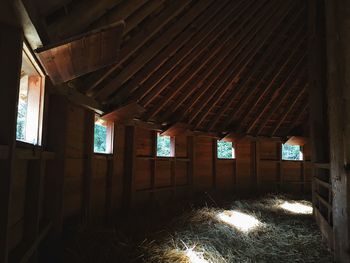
(291, 152)
(30, 101)
(225, 150)
(103, 136)
(165, 146)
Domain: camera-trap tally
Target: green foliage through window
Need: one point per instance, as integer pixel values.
(21, 120)
(225, 150)
(291, 152)
(100, 138)
(163, 146)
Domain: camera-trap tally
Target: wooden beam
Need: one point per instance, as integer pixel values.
(132, 12)
(129, 166)
(175, 52)
(180, 64)
(281, 97)
(235, 70)
(148, 53)
(214, 161)
(205, 66)
(325, 228)
(149, 29)
(78, 98)
(287, 110)
(82, 54)
(89, 123)
(33, 201)
(30, 32)
(265, 91)
(291, 74)
(294, 123)
(297, 140)
(176, 129)
(272, 72)
(54, 189)
(125, 113)
(232, 137)
(271, 50)
(337, 65)
(87, 12)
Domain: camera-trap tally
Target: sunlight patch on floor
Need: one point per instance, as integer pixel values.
(195, 257)
(296, 208)
(238, 220)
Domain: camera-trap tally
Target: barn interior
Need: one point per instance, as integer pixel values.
(186, 131)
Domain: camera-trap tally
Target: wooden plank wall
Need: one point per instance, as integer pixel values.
(93, 186)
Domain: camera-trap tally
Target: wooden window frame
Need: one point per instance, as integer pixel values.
(110, 135)
(35, 101)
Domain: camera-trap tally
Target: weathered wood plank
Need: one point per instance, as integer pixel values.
(82, 54)
(152, 50)
(147, 32)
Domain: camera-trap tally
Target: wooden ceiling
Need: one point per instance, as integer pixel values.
(218, 66)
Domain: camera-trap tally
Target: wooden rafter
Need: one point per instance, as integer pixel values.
(266, 102)
(274, 70)
(132, 12)
(204, 67)
(296, 119)
(271, 50)
(87, 12)
(250, 51)
(173, 53)
(284, 86)
(287, 111)
(148, 53)
(126, 113)
(278, 102)
(185, 60)
(148, 30)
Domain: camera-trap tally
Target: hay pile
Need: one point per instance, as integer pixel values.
(262, 230)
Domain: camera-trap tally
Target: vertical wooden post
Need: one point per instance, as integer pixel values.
(154, 164)
(88, 159)
(10, 68)
(191, 164)
(255, 150)
(109, 190)
(56, 169)
(214, 160)
(280, 166)
(302, 172)
(36, 170)
(338, 52)
(129, 169)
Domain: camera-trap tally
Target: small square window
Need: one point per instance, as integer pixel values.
(30, 101)
(165, 146)
(225, 150)
(103, 136)
(291, 152)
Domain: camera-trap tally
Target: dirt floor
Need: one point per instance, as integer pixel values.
(274, 228)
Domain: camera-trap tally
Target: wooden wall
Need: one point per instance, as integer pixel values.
(94, 186)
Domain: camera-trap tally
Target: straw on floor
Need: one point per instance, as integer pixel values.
(271, 229)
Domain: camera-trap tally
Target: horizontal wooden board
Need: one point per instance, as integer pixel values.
(83, 54)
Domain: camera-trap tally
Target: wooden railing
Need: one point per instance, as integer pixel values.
(322, 196)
